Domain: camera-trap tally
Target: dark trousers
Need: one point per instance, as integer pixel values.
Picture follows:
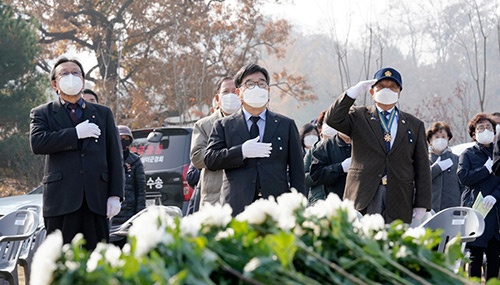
(492, 259)
(377, 204)
(94, 227)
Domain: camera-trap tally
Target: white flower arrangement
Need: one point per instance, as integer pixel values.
(272, 241)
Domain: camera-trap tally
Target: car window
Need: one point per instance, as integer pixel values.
(169, 153)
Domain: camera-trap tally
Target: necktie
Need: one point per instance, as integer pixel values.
(254, 129)
(72, 112)
(387, 143)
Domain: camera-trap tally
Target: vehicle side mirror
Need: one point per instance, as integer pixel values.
(154, 137)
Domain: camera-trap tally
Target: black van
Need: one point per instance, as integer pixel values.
(165, 155)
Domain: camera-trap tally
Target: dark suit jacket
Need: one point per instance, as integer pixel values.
(282, 167)
(91, 169)
(407, 163)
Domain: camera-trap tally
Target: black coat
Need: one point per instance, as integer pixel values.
(474, 175)
(75, 169)
(135, 188)
(282, 170)
(326, 166)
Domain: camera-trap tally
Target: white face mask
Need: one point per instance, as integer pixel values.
(310, 140)
(229, 103)
(328, 131)
(386, 96)
(70, 84)
(256, 97)
(439, 144)
(485, 137)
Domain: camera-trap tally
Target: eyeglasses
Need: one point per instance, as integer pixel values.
(251, 84)
(481, 128)
(66, 73)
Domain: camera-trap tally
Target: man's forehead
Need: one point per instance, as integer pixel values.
(254, 76)
(386, 82)
(67, 65)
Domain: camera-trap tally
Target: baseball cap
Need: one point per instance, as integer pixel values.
(388, 73)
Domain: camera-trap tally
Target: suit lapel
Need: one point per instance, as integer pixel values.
(60, 115)
(240, 126)
(402, 130)
(272, 122)
(89, 113)
(374, 121)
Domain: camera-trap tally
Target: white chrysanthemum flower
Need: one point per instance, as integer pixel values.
(415, 233)
(209, 256)
(381, 235)
(209, 215)
(348, 206)
(150, 230)
(257, 212)
(112, 255)
(288, 204)
(45, 259)
(251, 265)
(310, 225)
(327, 208)
(228, 233)
(291, 201)
(94, 258)
(71, 265)
(402, 252)
(370, 224)
(191, 225)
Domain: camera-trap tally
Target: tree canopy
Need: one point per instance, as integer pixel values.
(162, 58)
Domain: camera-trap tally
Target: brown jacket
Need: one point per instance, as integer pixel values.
(407, 163)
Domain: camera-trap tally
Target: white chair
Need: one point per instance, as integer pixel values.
(15, 227)
(120, 232)
(463, 221)
(31, 244)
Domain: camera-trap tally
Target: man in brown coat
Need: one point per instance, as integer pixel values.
(389, 172)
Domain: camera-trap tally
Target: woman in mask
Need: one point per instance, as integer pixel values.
(309, 135)
(446, 189)
(475, 172)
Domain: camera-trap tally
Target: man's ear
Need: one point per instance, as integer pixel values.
(54, 84)
(371, 91)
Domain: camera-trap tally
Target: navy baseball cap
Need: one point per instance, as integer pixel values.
(388, 73)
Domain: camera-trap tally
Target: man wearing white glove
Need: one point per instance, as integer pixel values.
(113, 207)
(389, 171)
(83, 158)
(259, 150)
(87, 130)
(252, 148)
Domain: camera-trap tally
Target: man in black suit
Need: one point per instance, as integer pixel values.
(259, 150)
(83, 176)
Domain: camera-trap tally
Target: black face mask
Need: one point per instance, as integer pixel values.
(126, 143)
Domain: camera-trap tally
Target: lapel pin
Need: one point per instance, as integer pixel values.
(93, 116)
(403, 121)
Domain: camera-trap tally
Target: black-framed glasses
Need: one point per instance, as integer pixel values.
(66, 73)
(249, 84)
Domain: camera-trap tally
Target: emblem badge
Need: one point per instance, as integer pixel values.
(388, 73)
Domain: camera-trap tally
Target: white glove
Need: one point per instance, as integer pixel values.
(489, 164)
(346, 164)
(444, 164)
(418, 213)
(87, 130)
(253, 148)
(489, 201)
(114, 206)
(361, 88)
